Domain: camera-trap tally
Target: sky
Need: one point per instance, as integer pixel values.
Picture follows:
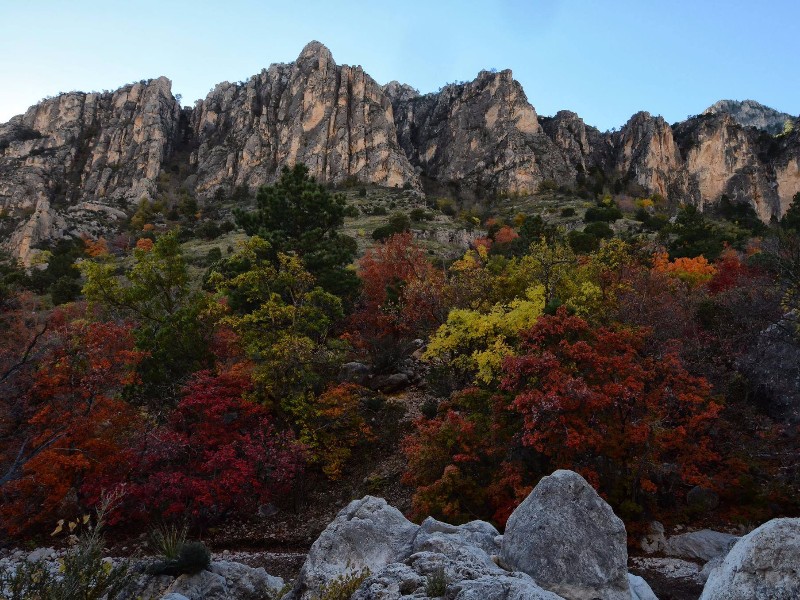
(603, 59)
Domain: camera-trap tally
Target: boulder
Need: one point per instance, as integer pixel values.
(475, 533)
(204, 585)
(640, 590)
(701, 545)
(654, 540)
(366, 534)
(512, 586)
(355, 372)
(569, 540)
(764, 564)
(245, 582)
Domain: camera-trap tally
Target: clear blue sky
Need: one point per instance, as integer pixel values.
(603, 59)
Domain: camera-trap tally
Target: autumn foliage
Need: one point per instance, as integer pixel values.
(218, 454)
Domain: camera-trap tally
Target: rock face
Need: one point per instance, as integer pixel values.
(762, 565)
(78, 163)
(749, 113)
(75, 162)
(569, 540)
(483, 134)
(335, 119)
(366, 534)
(702, 545)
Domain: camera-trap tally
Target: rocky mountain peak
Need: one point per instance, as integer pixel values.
(749, 113)
(315, 55)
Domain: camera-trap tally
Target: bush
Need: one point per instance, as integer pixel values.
(193, 557)
(607, 214)
(436, 584)
(568, 212)
(419, 214)
(168, 540)
(343, 586)
(84, 573)
(600, 230)
(582, 242)
(446, 206)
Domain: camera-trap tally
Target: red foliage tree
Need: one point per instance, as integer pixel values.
(592, 400)
(218, 455)
(61, 420)
(402, 298)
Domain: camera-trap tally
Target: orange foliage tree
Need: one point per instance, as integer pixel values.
(63, 422)
(401, 299)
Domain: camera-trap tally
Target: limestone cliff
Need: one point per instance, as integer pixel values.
(723, 157)
(335, 119)
(480, 134)
(646, 153)
(749, 113)
(76, 162)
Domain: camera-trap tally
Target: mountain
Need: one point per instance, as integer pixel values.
(749, 113)
(80, 163)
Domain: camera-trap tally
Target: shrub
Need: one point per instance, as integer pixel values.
(168, 540)
(343, 586)
(419, 214)
(603, 214)
(568, 212)
(600, 230)
(436, 584)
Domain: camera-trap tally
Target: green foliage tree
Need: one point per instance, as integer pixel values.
(299, 215)
(791, 219)
(283, 320)
(174, 321)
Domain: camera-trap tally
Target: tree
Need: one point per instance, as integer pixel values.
(791, 218)
(217, 455)
(299, 215)
(174, 322)
(283, 320)
(401, 299)
(592, 400)
(61, 422)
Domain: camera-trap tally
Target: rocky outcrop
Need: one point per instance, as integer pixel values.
(646, 154)
(569, 540)
(702, 545)
(749, 113)
(483, 134)
(563, 541)
(367, 534)
(96, 153)
(722, 157)
(335, 119)
(765, 564)
(584, 147)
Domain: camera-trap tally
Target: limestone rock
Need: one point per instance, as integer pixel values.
(335, 119)
(245, 582)
(514, 586)
(204, 585)
(646, 153)
(569, 540)
(749, 113)
(481, 534)
(654, 540)
(640, 589)
(701, 545)
(762, 565)
(483, 134)
(367, 533)
(103, 148)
